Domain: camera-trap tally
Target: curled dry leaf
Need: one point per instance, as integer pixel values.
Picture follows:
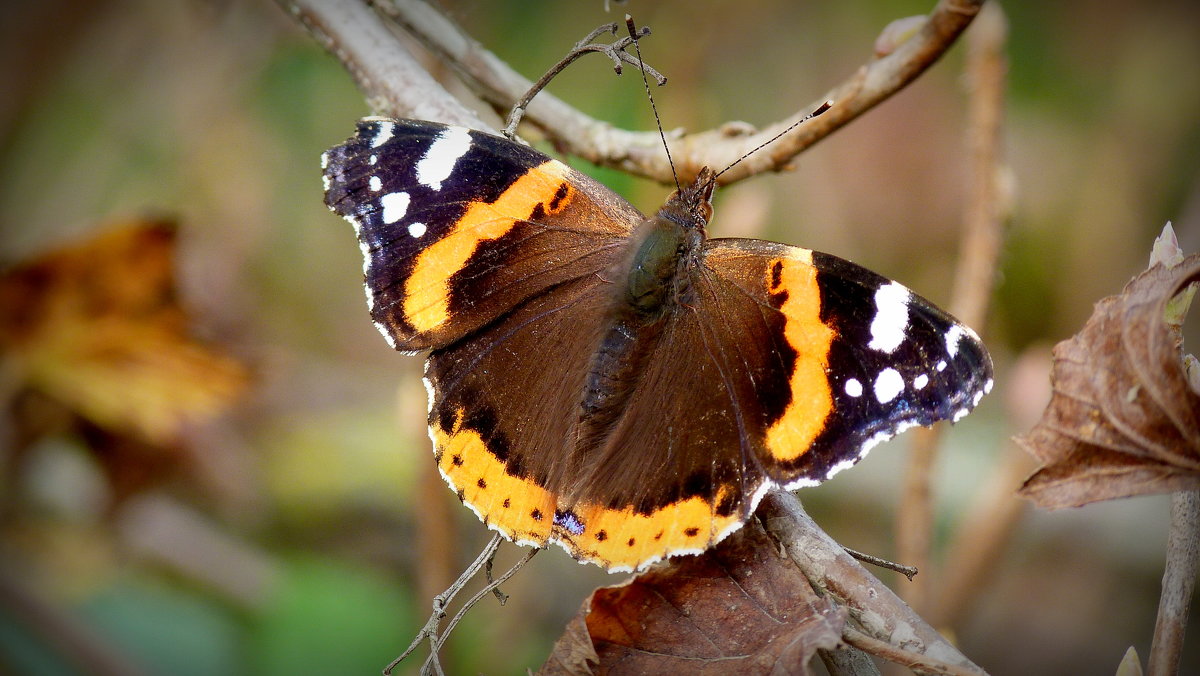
(1123, 419)
(739, 608)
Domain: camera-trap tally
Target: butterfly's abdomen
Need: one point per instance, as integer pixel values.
(648, 286)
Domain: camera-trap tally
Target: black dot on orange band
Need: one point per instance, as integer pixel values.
(461, 494)
(558, 196)
(630, 543)
(691, 532)
(481, 483)
(659, 536)
(601, 535)
(456, 459)
(536, 515)
(506, 503)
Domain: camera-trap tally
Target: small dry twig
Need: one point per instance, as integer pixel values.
(615, 51)
(573, 132)
(1178, 584)
(974, 277)
(431, 630)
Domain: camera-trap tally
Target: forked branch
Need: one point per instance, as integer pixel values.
(360, 38)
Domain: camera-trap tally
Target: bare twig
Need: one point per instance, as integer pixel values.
(430, 630)
(492, 587)
(974, 276)
(1178, 584)
(392, 81)
(907, 571)
(922, 664)
(615, 51)
(640, 152)
(995, 510)
(831, 570)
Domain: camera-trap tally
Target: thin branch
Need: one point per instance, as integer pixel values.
(1178, 584)
(615, 51)
(392, 81)
(974, 277)
(430, 630)
(831, 570)
(907, 571)
(922, 664)
(640, 153)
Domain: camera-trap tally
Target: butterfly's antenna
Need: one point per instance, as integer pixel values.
(633, 34)
(820, 109)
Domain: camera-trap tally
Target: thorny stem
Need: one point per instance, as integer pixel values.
(1178, 584)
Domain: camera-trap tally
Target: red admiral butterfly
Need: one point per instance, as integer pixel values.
(625, 386)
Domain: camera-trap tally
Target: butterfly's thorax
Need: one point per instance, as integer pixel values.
(655, 279)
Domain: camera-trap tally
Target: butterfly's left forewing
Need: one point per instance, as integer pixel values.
(458, 227)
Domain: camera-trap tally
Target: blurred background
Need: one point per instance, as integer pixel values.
(232, 476)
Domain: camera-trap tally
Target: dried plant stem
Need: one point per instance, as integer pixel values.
(641, 152)
(983, 231)
(1178, 584)
(921, 664)
(440, 601)
(833, 571)
(392, 81)
(981, 537)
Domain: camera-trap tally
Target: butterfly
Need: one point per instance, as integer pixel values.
(625, 386)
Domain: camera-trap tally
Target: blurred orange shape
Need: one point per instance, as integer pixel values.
(97, 327)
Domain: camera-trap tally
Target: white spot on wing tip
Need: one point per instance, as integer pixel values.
(854, 388)
(383, 134)
(960, 414)
(376, 184)
(438, 162)
(941, 366)
(920, 382)
(888, 385)
(890, 325)
(395, 206)
(416, 230)
(954, 336)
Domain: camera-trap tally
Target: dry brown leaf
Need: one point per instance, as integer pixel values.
(97, 327)
(739, 608)
(1123, 419)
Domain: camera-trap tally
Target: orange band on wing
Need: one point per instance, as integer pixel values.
(518, 508)
(624, 539)
(613, 538)
(812, 401)
(427, 291)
